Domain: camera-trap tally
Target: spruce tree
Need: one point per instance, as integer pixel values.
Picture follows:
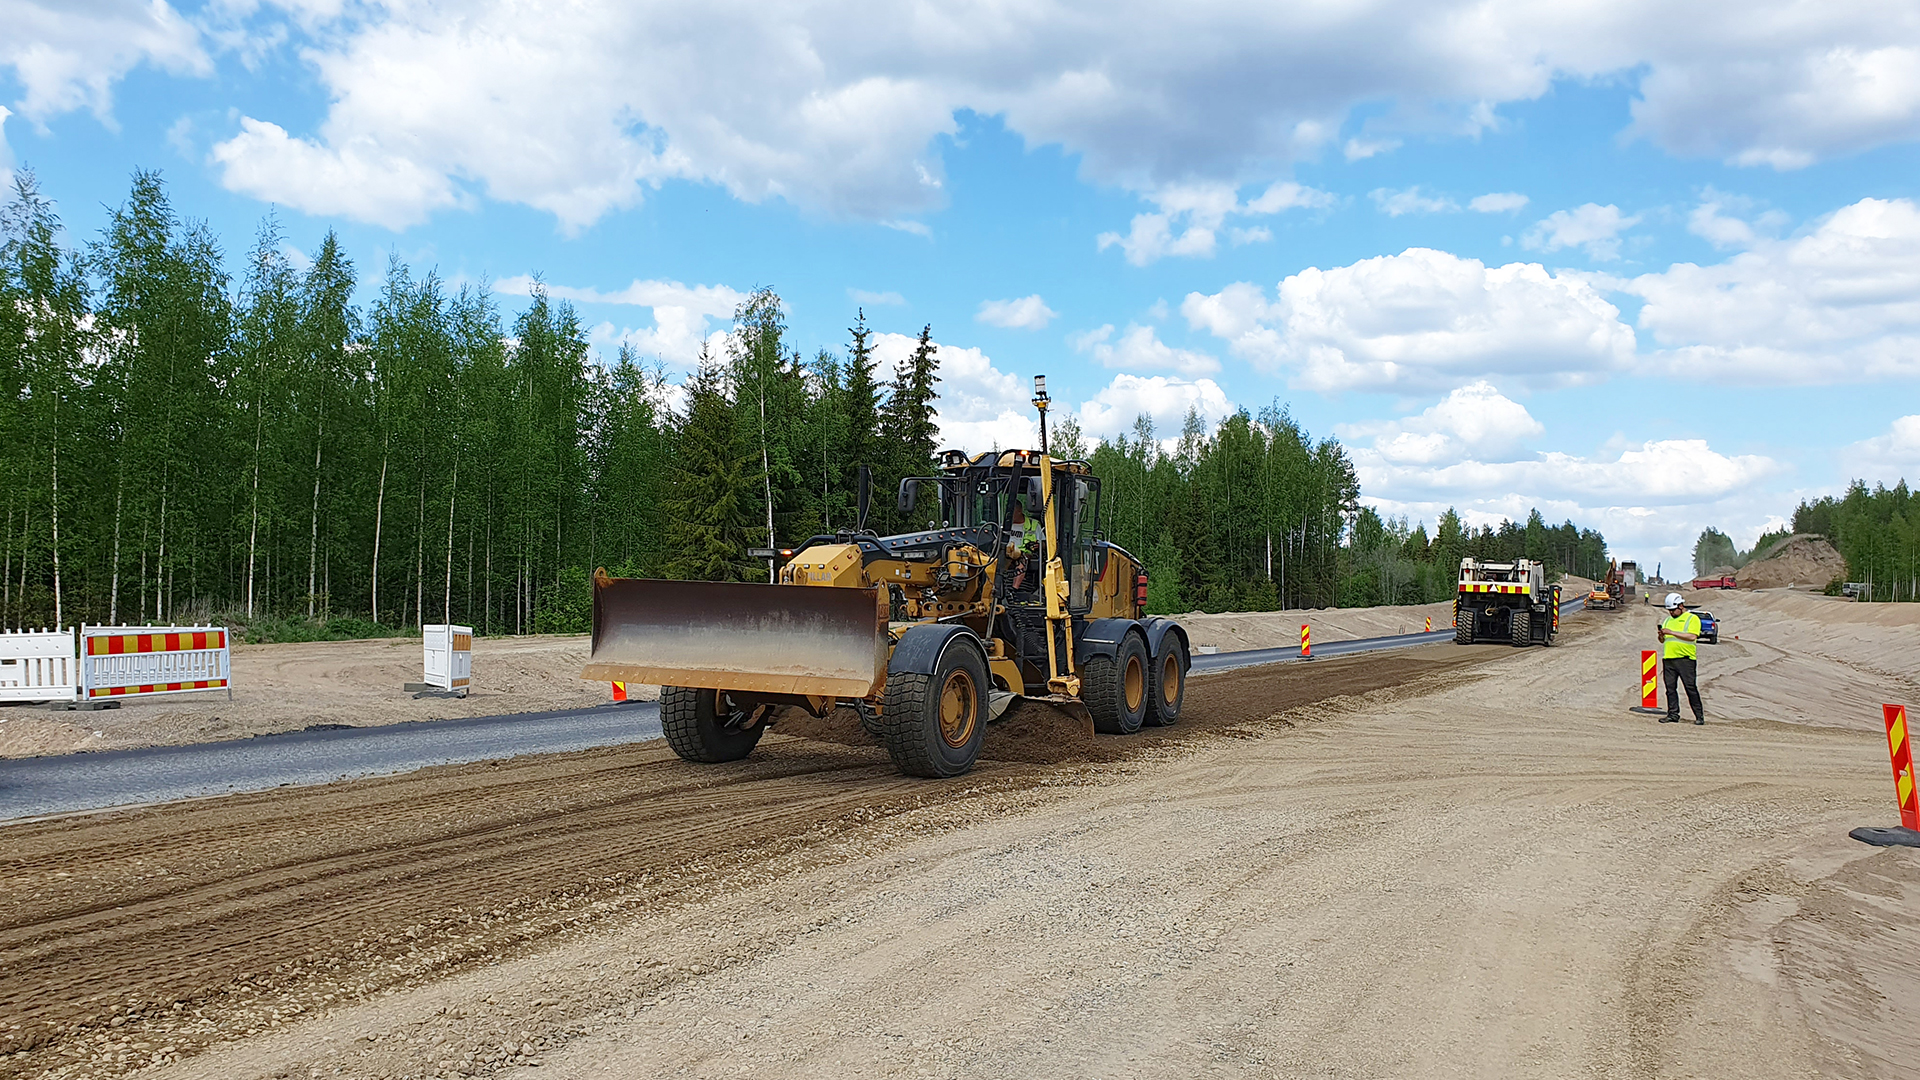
(711, 511)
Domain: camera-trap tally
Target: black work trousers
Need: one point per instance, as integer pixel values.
(1682, 669)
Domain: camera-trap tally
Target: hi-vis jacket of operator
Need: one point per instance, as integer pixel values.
(1680, 648)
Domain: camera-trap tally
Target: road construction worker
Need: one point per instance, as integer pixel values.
(1025, 546)
(1680, 658)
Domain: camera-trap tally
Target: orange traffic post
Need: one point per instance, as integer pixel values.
(619, 691)
(1900, 748)
(1306, 643)
(1649, 683)
(1429, 624)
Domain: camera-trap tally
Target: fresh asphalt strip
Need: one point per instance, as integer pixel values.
(69, 783)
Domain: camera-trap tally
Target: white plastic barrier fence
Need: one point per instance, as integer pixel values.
(142, 661)
(38, 665)
(449, 656)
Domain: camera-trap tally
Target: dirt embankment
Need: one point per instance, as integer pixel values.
(1800, 561)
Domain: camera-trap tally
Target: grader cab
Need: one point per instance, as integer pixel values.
(1011, 592)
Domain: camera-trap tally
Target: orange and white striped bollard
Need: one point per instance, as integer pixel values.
(1900, 746)
(1429, 624)
(1306, 643)
(1649, 680)
(619, 691)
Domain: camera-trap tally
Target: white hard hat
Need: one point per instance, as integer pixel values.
(1674, 600)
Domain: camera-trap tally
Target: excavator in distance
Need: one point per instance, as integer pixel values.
(1013, 593)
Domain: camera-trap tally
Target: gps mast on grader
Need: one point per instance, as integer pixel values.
(928, 635)
(1505, 602)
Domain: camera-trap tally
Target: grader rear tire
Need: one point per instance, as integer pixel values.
(1116, 688)
(933, 725)
(703, 727)
(1168, 687)
(1521, 624)
(1462, 625)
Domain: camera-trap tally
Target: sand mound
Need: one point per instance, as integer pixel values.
(1800, 559)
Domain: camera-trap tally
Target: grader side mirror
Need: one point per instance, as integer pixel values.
(908, 488)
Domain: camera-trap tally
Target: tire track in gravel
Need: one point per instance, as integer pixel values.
(205, 919)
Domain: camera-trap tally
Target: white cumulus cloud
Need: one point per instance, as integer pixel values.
(1651, 499)
(1839, 302)
(980, 406)
(1498, 202)
(1889, 458)
(1716, 220)
(1593, 227)
(1411, 201)
(1473, 419)
(1026, 313)
(1163, 399)
(1423, 319)
(1139, 348)
(839, 107)
(68, 56)
(683, 315)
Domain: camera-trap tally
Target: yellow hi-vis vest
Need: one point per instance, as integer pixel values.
(1677, 648)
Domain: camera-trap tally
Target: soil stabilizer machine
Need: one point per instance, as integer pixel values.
(1509, 602)
(1012, 592)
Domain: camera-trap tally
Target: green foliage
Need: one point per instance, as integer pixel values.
(178, 443)
(1713, 550)
(1877, 530)
(1163, 579)
(568, 608)
(1716, 549)
(270, 629)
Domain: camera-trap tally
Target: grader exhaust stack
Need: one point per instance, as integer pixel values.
(762, 639)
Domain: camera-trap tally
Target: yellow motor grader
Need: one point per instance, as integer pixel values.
(1011, 592)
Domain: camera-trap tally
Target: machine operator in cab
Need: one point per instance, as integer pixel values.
(1679, 660)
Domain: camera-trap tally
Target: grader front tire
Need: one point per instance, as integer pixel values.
(933, 724)
(702, 727)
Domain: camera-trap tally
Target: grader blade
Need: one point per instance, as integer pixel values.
(767, 639)
(1072, 712)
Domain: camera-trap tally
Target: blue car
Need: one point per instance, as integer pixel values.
(1709, 628)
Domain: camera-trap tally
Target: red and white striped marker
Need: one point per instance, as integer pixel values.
(1900, 746)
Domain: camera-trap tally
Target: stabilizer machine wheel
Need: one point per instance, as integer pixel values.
(703, 726)
(1115, 688)
(1168, 687)
(1521, 623)
(1462, 625)
(933, 725)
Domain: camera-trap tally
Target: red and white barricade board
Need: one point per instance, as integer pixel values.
(142, 661)
(38, 665)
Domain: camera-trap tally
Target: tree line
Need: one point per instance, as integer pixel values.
(1877, 530)
(185, 444)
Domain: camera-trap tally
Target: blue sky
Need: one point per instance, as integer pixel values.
(1648, 266)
